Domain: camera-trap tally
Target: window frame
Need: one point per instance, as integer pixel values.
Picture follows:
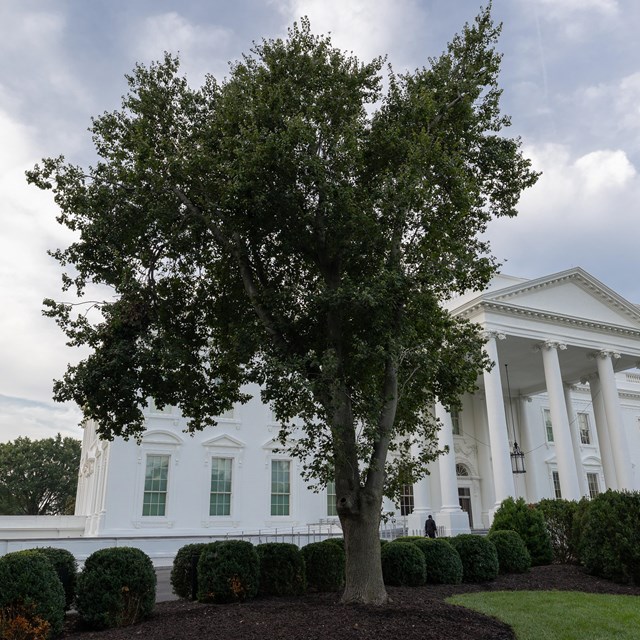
(164, 493)
(555, 482)
(583, 416)
(272, 493)
(407, 500)
(596, 478)
(456, 424)
(548, 425)
(226, 458)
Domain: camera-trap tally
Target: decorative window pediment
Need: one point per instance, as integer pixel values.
(224, 441)
(161, 437)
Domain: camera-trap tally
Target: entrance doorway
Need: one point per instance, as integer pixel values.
(464, 497)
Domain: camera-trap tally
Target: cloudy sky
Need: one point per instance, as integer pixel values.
(571, 78)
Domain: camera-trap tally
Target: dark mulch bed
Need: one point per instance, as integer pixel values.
(415, 614)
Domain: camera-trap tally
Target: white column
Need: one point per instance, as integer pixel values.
(575, 441)
(451, 514)
(497, 422)
(614, 419)
(602, 429)
(569, 484)
(421, 502)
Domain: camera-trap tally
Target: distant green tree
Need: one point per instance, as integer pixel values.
(38, 477)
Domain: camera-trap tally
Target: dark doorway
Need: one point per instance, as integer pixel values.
(464, 497)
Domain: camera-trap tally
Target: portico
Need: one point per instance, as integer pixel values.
(557, 343)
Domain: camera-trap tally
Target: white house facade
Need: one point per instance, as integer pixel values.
(565, 387)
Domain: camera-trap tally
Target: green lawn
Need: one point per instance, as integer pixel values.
(559, 615)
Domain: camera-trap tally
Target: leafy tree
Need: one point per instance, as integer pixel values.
(300, 227)
(39, 477)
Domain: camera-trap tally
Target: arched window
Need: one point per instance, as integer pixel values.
(461, 470)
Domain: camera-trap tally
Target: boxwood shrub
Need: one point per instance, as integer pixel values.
(610, 541)
(525, 519)
(560, 518)
(30, 588)
(66, 567)
(324, 562)
(184, 572)
(228, 571)
(282, 570)
(403, 565)
(513, 555)
(442, 561)
(116, 588)
(479, 557)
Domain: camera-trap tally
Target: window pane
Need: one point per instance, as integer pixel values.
(406, 500)
(155, 485)
(280, 487)
(548, 425)
(455, 422)
(220, 496)
(583, 425)
(594, 487)
(331, 499)
(556, 485)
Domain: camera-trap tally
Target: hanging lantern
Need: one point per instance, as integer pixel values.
(517, 459)
(517, 456)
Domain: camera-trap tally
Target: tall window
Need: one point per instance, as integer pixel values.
(556, 485)
(220, 496)
(594, 487)
(406, 500)
(332, 510)
(280, 487)
(583, 425)
(547, 424)
(455, 422)
(155, 486)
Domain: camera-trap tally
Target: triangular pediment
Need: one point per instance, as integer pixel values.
(569, 294)
(224, 440)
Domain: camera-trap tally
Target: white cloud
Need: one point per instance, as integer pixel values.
(563, 9)
(31, 347)
(36, 420)
(369, 28)
(202, 48)
(582, 212)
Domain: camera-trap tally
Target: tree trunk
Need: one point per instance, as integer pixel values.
(364, 583)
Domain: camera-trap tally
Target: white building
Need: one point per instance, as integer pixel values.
(565, 387)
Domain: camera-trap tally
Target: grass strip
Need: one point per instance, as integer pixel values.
(559, 615)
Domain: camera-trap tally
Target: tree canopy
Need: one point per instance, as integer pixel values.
(39, 477)
(299, 226)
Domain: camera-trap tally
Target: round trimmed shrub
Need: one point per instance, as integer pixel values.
(526, 520)
(228, 571)
(66, 567)
(282, 570)
(185, 569)
(324, 562)
(338, 541)
(116, 588)
(403, 565)
(513, 555)
(610, 541)
(30, 587)
(479, 557)
(442, 561)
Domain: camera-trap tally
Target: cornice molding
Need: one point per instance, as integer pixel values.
(546, 316)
